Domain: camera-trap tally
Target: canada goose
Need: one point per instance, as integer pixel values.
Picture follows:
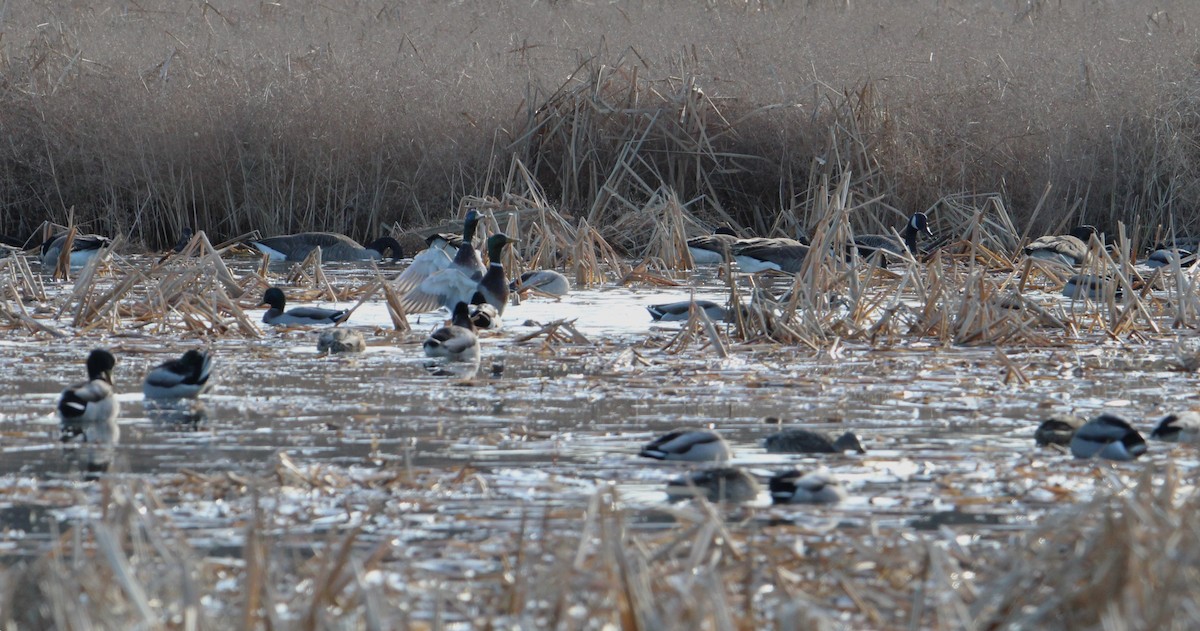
(1089, 286)
(1109, 437)
(299, 316)
(89, 408)
(456, 342)
(180, 378)
(803, 441)
(681, 311)
(1068, 249)
(83, 249)
(878, 244)
(339, 340)
(334, 247)
(795, 487)
(546, 281)
(1057, 430)
(1178, 428)
(691, 445)
(760, 255)
(722, 484)
(451, 285)
(708, 249)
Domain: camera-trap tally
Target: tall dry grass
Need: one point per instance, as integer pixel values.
(347, 115)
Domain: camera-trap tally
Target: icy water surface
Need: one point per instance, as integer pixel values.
(948, 442)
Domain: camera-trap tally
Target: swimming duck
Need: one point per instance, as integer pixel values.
(457, 342)
(1089, 286)
(1108, 436)
(681, 311)
(803, 441)
(334, 247)
(89, 409)
(1057, 430)
(546, 281)
(760, 255)
(181, 378)
(299, 316)
(452, 285)
(1178, 428)
(1068, 249)
(721, 484)
(84, 248)
(339, 340)
(795, 487)
(878, 244)
(709, 249)
(691, 445)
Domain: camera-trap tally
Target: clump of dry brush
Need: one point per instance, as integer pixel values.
(1124, 560)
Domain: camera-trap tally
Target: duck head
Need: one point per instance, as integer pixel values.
(495, 246)
(274, 298)
(100, 364)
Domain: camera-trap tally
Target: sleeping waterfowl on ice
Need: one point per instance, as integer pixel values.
(689, 445)
(1066, 249)
(341, 340)
(796, 487)
(761, 255)
(84, 248)
(89, 409)
(681, 311)
(180, 378)
(1183, 427)
(1107, 436)
(298, 316)
(720, 484)
(1057, 430)
(546, 281)
(709, 249)
(803, 441)
(334, 247)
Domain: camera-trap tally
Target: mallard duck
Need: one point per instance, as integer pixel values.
(181, 378)
(334, 247)
(546, 281)
(299, 316)
(457, 342)
(1167, 257)
(1108, 436)
(484, 316)
(709, 249)
(878, 244)
(722, 484)
(445, 241)
(1057, 430)
(1089, 286)
(437, 259)
(450, 286)
(803, 441)
(691, 445)
(681, 311)
(1178, 428)
(89, 409)
(760, 255)
(1068, 249)
(795, 487)
(84, 248)
(339, 340)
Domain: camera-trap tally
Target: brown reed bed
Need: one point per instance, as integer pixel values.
(149, 118)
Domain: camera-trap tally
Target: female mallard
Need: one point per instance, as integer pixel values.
(89, 409)
(546, 281)
(334, 247)
(299, 316)
(794, 487)
(722, 484)
(340, 340)
(690, 445)
(1066, 249)
(878, 244)
(682, 310)
(1109, 437)
(84, 248)
(803, 441)
(181, 378)
(1178, 428)
(457, 342)
(452, 285)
